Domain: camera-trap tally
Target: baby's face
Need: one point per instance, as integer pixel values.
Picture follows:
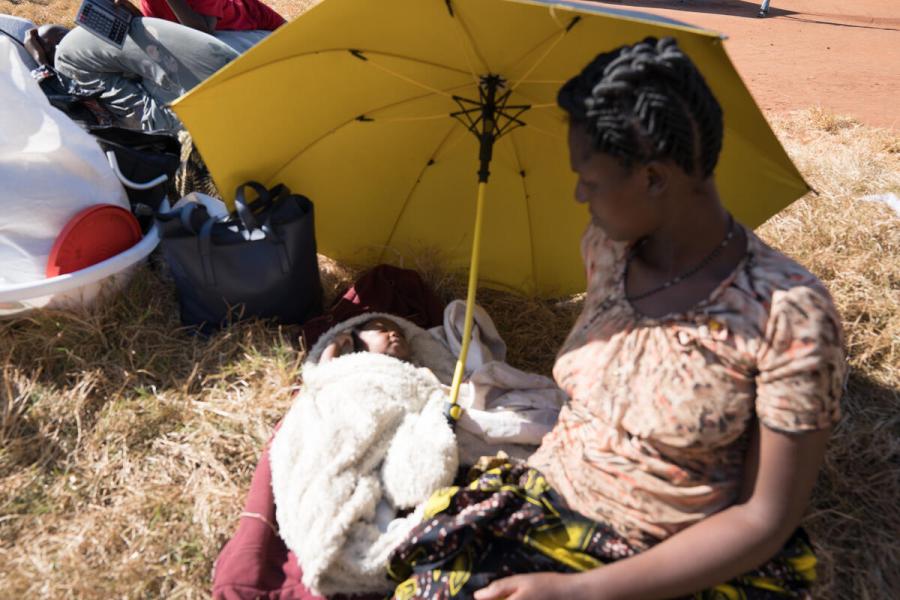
(383, 336)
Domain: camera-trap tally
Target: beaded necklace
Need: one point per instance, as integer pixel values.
(729, 235)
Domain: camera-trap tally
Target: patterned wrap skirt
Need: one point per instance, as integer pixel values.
(509, 521)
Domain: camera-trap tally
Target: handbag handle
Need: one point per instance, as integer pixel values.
(244, 212)
(186, 212)
(265, 201)
(204, 238)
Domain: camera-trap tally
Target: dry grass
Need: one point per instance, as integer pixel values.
(126, 446)
(854, 247)
(42, 11)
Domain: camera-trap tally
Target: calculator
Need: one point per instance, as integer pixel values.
(105, 20)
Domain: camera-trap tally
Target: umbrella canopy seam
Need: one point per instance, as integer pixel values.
(227, 76)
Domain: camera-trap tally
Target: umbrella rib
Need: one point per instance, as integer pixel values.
(467, 39)
(413, 99)
(415, 82)
(525, 54)
(409, 119)
(531, 126)
(431, 160)
(522, 174)
(549, 134)
(359, 54)
(461, 36)
(556, 38)
(559, 38)
(349, 121)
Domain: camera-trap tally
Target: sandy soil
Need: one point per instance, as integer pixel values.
(843, 55)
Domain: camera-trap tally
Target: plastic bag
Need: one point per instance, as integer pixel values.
(51, 169)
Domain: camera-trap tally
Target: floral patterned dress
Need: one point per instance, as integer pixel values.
(654, 436)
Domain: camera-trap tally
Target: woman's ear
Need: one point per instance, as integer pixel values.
(657, 174)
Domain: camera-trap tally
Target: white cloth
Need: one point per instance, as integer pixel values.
(51, 169)
(505, 408)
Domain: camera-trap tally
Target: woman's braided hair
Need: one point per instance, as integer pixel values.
(645, 102)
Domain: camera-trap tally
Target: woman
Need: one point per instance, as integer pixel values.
(704, 375)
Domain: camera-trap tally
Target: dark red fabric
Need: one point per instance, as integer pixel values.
(231, 15)
(385, 289)
(255, 563)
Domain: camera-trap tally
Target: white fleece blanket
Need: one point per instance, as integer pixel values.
(366, 439)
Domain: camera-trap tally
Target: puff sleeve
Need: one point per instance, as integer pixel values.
(801, 364)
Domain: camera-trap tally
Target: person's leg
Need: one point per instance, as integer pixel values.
(241, 41)
(159, 62)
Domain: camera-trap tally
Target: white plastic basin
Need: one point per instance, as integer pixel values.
(80, 287)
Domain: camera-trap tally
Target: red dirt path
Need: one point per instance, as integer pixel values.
(842, 55)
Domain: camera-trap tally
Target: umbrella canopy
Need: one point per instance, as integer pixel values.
(366, 107)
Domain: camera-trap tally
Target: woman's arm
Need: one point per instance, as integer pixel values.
(780, 474)
(36, 49)
(188, 17)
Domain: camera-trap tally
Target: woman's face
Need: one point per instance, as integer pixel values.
(617, 198)
(383, 336)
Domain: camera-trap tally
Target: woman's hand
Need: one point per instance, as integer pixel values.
(533, 587)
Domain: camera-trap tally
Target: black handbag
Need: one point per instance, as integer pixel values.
(260, 261)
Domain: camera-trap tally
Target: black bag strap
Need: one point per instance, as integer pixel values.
(244, 212)
(204, 242)
(204, 238)
(264, 203)
(185, 213)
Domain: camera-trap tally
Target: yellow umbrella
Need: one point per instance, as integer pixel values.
(383, 113)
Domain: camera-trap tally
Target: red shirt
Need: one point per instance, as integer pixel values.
(232, 15)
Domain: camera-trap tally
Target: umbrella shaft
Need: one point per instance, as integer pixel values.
(470, 301)
(489, 87)
(486, 152)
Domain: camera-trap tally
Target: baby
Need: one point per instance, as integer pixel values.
(379, 335)
(364, 445)
(367, 441)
